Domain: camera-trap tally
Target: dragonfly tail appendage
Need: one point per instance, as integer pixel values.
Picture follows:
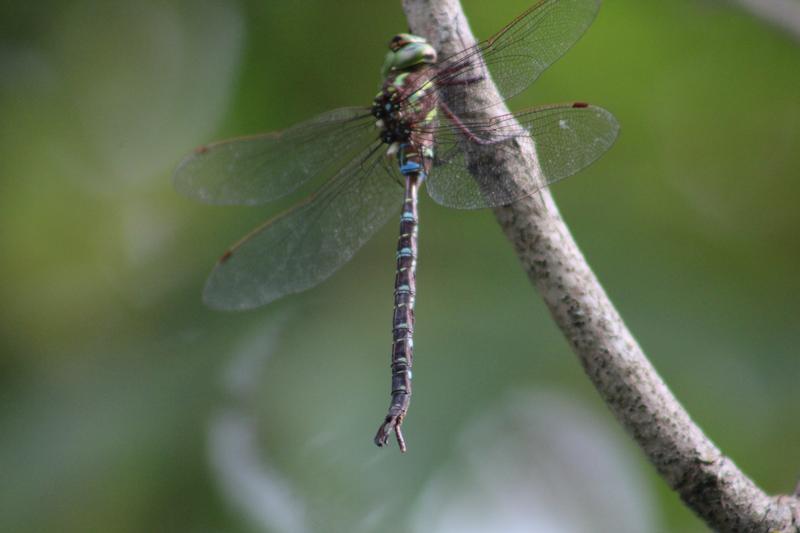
(392, 423)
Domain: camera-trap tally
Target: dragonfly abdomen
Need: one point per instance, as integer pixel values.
(405, 288)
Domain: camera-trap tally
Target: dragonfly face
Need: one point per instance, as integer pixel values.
(407, 50)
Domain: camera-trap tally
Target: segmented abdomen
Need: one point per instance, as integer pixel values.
(404, 295)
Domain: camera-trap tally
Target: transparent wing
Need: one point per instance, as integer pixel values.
(566, 138)
(305, 245)
(518, 53)
(261, 168)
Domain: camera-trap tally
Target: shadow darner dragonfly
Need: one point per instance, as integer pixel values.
(373, 160)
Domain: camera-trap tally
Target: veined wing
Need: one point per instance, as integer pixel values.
(262, 168)
(306, 244)
(566, 138)
(518, 53)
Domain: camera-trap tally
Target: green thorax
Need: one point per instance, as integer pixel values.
(405, 108)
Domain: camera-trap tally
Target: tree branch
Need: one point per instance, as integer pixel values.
(707, 481)
(784, 14)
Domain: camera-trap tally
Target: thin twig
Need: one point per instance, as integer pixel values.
(707, 481)
(784, 14)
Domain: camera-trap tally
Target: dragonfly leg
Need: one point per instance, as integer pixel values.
(465, 81)
(464, 129)
(447, 75)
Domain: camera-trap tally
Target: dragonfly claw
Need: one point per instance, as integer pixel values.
(392, 423)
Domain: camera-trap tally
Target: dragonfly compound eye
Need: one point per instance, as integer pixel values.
(413, 54)
(402, 39)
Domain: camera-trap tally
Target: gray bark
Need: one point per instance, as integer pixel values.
(707, 481)
(784, 14)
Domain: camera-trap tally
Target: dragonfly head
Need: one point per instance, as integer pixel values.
(407, 50)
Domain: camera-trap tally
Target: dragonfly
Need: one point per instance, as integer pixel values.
(370, 162)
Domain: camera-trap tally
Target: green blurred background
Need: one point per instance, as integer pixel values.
(127, 406)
